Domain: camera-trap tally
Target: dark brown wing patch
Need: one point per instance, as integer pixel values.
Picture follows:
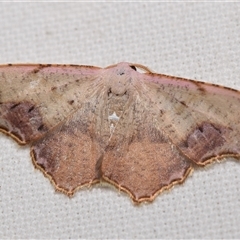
(22, 120)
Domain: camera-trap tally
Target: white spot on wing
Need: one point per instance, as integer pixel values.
(112, 127)
(112, 121)
(113, 117)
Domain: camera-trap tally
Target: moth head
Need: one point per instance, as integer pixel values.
(119, 78)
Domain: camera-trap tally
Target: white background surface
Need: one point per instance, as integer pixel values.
(191, 40)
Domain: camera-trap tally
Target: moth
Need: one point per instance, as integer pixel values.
(140, 131)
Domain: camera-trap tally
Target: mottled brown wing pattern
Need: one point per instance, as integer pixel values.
(35, 98)
(141, 132)
(202, 120)
(69, 154)
(140, 159)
